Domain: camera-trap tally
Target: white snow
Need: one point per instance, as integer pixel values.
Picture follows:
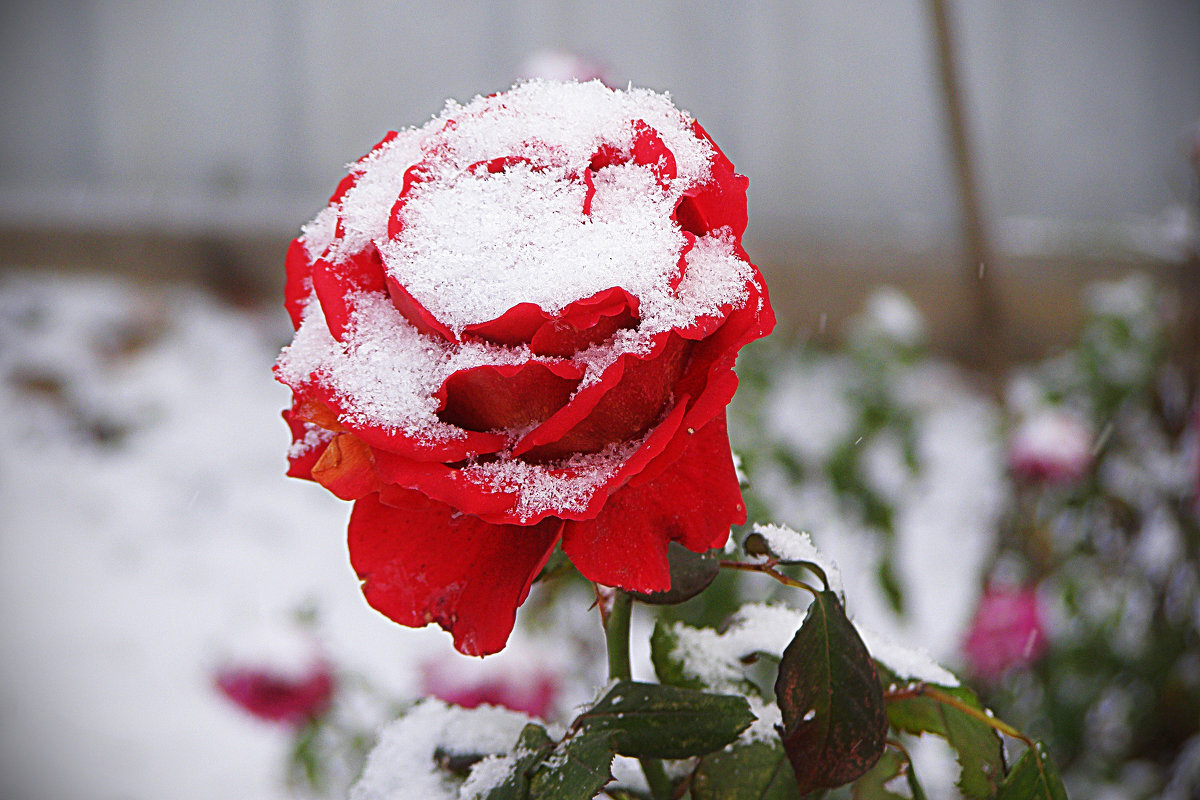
(402, 765)
(715, 658)
(150, 537)
(475, 243)
(790, 545)
(908, 663)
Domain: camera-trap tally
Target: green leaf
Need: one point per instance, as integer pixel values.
(691, 573)
(872, 785)
(576, 769)
(669, 665)
(532, 746)
(622, 793)
(914, 786)
(831, 700)
(1033, 777)
(756, 771)
(979, 748)
(664, 644)
(651, 721)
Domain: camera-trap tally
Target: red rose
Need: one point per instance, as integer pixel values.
(517, 326)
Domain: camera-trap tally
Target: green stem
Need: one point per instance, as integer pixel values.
(616, 637)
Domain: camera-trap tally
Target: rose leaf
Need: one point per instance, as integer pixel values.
(1033, 777)
(651, 721)
(830, 698)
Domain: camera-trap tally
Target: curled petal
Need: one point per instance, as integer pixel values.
(423, 447)
(710, 381)
(581, 324)
(421, 561)
(510, 396)
(694, 503)
(475, 492)
(347, 468)
(719, 203)
(415, 313)
(629, 397)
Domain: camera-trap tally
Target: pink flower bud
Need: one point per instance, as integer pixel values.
(274, 697)
(1050, 446)
(1006, 632)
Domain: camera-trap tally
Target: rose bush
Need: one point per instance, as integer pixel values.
(516, 326)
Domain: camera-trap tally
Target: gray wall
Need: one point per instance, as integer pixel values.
(241, 113)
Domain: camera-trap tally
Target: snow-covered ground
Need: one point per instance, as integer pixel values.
(148, 536)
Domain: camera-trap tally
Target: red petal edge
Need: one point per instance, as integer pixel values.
(424, 562)
(694, 503)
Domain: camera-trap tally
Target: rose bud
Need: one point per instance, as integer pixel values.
(532, 692)
(1050, 446)
(515, 327)
(275, 696)
(1006, 632)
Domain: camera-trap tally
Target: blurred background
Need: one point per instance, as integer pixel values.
(978, 222)
(184, 139)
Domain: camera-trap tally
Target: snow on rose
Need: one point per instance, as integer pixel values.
(516, 326)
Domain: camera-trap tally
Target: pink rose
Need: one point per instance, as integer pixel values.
(1006, 632)
(275, 697)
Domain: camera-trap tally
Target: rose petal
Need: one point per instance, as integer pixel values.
(649, 150)
(511, 396)
(474, 493)
(347, 468)
(466, 444)
(695, 502)
(585, 322)
(298, 289)
(721, 202)
(308, 442)
(710, 380)
(622, 405)
(425, 562)
(581, 324)
(338, 285)
(414, 312)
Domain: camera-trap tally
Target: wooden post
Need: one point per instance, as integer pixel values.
(987, 343)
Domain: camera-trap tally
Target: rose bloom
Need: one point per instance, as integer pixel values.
(516, 326)
(1051, 446)
(1006, 632)
(275, 697)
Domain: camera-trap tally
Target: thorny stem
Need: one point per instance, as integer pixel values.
(616, 637)
(768, 568)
